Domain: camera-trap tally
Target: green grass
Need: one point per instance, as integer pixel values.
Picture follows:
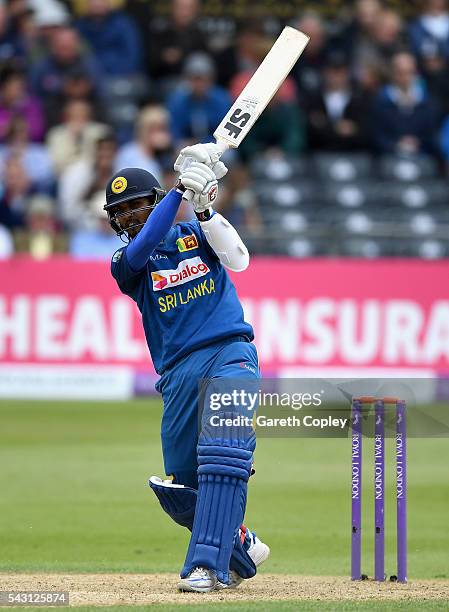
(74, 497)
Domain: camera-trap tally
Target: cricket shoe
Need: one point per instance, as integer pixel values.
(203, 580)
(200, 580)
(256, 549)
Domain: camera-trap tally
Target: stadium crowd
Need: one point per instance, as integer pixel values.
(90, 86)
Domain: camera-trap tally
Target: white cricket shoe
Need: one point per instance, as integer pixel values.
(200, 580)
(203, 580)
(257, 550)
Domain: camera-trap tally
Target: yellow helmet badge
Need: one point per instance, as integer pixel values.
(119, 185)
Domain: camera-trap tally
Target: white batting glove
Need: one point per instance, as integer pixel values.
(201, 180)
(208, 153)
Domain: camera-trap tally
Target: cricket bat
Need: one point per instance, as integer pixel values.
(257, 94)
(263, 85)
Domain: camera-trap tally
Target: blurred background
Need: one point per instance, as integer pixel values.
(351, 153)
(340, 190)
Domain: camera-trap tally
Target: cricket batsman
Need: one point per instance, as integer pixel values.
(195, 330)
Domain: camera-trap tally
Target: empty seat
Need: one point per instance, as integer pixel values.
(279, 168)
(301, 247)
(358, 223)
(286, 194)
(342, 167)
(363, 247)
(422, 224)
(408, 168)
(291, 222)
(352, 195)
(421, 195)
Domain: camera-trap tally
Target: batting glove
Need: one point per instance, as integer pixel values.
(200, 180)
(208, 154)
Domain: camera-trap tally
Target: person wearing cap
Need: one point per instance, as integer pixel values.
(195, 329)
(197, 106)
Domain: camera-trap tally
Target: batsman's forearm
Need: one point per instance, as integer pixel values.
(156, 227)
(225, 241)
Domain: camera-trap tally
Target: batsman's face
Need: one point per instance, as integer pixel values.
(133, 214)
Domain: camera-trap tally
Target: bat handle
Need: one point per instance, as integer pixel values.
(188, 195)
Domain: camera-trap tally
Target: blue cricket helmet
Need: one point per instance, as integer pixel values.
(126, 185)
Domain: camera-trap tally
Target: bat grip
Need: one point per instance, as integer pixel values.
(188, 195)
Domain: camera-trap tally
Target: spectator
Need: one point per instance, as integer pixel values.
(357, 41)
(48, 17)
(11, 43)
(281, 127)
(98, 242)
(170, 42)
(113, 36)
(244, 54)
(378, 43)
(435, 71)
(33, 157)
(15, 101)
(16, 188)
(66, 66)
(197, 107)
(307, 72)
(337, 114)
(444, 142)
(404, 117)
(6, 243)
(238, 201)
(41, 237)
(23, 24)
(152, 144)
(82, 180)
(387, 39)
(76, 136)
(430, 32)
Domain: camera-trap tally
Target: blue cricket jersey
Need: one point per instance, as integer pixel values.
(184, 294)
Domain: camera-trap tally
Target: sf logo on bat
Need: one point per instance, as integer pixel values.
(237, 122)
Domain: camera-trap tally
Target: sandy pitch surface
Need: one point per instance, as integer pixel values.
(134, 589)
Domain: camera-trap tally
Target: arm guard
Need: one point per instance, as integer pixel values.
(225, 241)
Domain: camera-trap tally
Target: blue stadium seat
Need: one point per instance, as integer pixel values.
(365, 248)
(279, 168)
(289, 222)
(287, 194)
(432, 194)
(353, 195)
(342, 167)
(407, 168)
(301, 247)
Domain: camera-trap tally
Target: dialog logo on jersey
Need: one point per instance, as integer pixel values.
(188, 270)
